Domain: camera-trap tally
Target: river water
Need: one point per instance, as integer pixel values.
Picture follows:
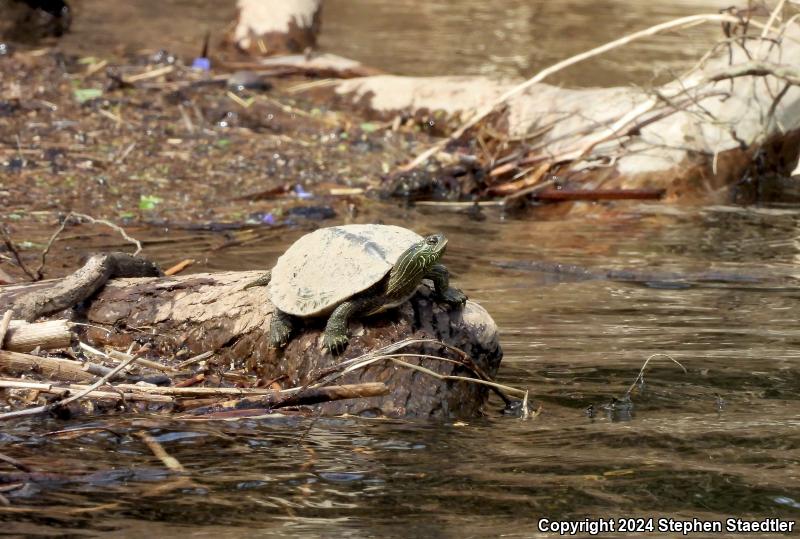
(719, 440)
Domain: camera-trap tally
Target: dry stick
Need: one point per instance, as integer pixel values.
(109, 224)
(158, 450)
(196, 359)
(4, 327)
(180, 266)
(483, 112)
(47, 247)
(64, 369)
(97, 394)
(154, 73)
(121, 356)
(300, 397)
(772, 16)
(50, 406)
(640, 376)
(121, 157)
(757, 69)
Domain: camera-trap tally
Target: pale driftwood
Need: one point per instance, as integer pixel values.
(122, 356)
(214, 313)
(95, 393)
(50, 335)
(4, 323)
(268, 27)
(695, 137)
(53, 368)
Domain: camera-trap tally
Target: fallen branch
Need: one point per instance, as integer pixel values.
(81, 284)
(65, 370)
(49, 335)
(483, 112)
(300, 396)
(47, 407)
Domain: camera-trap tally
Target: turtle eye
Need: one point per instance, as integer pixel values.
(431, 240)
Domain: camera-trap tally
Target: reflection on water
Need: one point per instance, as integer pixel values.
(719, 440)
(503, 38)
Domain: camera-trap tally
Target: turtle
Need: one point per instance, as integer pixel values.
(349, 270)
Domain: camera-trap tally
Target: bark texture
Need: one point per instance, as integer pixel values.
(187, 315)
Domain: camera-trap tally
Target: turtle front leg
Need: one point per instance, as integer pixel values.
(280, 328)
(335, 338)
(441, 282)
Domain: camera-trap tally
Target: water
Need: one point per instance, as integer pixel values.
(505, 38)
(720, 440)
(716, 441)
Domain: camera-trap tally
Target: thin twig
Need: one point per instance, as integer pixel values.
(196, 359)
(39, 274)
(520, 392)
(640, 376)
(13, 248)
(109, 224)
(46, 408)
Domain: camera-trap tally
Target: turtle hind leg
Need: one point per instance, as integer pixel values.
(280, 328)
(442, 289)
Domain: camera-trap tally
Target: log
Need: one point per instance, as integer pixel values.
(183, 316)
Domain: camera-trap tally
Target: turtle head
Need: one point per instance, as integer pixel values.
(424, 254)
(414, 263)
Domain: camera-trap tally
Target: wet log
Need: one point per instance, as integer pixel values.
(182, 316)
(270, 27)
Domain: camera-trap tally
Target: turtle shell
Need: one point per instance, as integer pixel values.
(324, 268)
